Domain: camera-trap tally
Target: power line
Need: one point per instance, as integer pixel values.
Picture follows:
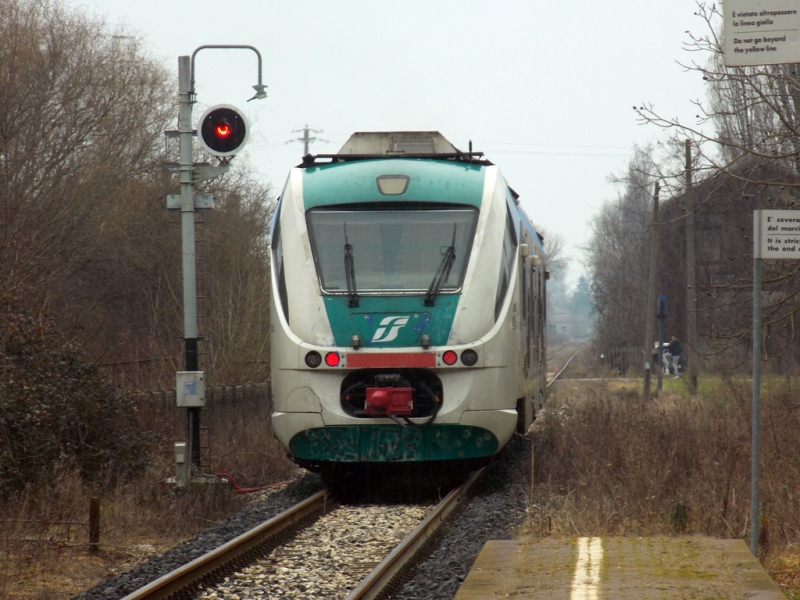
(558, 153)
(557, 145)
(306, 139)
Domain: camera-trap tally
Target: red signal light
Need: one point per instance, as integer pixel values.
(332, 359)
(223, 130)
(449, 357)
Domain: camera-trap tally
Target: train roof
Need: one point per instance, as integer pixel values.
(393, 179)
(364, 145)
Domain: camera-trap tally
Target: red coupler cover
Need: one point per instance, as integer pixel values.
(389, 401)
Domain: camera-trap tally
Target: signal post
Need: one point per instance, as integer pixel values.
(223, 131)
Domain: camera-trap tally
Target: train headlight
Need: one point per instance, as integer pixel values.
(449, 357)
(332, 359)
(393, 185)
(469, 357)
(313, 359)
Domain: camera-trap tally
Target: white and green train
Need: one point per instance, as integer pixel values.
(408, 306)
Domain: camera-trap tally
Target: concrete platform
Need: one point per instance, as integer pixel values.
(666, 568)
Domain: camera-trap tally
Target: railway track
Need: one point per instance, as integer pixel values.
(316, 549)
(572, 355)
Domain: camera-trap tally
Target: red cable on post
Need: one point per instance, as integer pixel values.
(240, 490)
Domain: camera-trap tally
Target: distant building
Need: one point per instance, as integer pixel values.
(560, 322)
(724, 207)
(566, 324)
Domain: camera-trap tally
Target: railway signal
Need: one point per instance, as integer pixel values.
(223, 130)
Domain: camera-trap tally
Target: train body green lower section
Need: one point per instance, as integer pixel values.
(393, 443)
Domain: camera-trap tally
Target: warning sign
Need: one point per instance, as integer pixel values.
(776, 234)
(761, 32)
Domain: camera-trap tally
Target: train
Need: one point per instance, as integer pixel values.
(408, 306)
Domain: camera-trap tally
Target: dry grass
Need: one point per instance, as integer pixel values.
(606, 464)
(44, 552)
(609, 464)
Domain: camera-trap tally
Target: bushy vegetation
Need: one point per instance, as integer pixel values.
(608, 463)
(57, 408)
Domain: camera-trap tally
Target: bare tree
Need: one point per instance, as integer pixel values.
(84, 231)
(751, 113)
(557, 262)
(239, 276)
(81, 114)
(746, 140)
(617, 257)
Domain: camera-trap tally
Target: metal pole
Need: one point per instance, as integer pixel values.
(261, 89)
(186, 100)
(691, 284)
(662, 314)
(756, 433)
(94, 525)
(651, 297)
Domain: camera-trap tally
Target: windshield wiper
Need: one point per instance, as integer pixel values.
(443, 272)
(350, 272)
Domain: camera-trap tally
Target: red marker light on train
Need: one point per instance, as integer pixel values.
(449, 357)
(332, 359)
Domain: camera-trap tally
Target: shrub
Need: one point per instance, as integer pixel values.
(56, 406)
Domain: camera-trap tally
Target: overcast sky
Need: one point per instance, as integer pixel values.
(545, 89)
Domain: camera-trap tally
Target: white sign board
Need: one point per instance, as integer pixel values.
(776, 234)
(761, 32)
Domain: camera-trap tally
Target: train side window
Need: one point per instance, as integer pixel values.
(506, 260)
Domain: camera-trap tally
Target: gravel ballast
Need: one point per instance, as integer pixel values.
(275, 503)
(496, 510)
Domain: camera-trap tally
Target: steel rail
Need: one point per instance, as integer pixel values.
(557, 352)
(380, 577)
(557, 375)
(194, 570)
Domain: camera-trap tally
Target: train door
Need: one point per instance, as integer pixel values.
(540, 316)
(535, 334)
(527, 316)
(527, 329)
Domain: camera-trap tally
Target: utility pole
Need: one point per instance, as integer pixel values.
(691, 283)
(185, 132)
(306, 139)
(651, 297)
(662, 315)
(755, 452)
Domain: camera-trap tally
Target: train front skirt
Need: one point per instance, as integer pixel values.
(393, 443)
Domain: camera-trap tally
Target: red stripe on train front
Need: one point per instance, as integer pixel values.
(391, 359)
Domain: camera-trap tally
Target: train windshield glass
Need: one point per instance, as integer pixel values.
(393, 250)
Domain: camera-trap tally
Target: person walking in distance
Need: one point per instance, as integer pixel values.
(674, 349)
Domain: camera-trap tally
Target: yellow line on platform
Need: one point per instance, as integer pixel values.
(586, 582)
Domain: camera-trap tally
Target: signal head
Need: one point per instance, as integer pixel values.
(223, 130)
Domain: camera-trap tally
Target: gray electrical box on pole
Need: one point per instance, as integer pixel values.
(224, 131)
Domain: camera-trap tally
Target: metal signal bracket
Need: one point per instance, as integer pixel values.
(203, 171)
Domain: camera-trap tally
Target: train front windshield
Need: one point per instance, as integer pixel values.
(392, 250)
